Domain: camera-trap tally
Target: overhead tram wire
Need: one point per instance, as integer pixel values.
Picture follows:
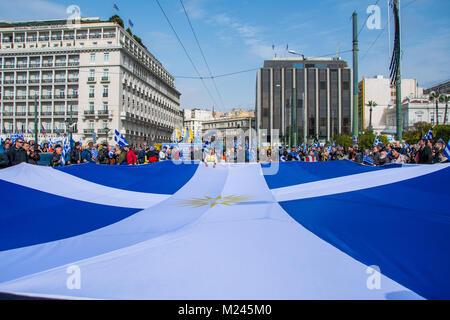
(250, 70)
(203, 55)
(186, 52)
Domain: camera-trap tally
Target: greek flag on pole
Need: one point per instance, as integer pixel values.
(447, 150)
(120, 139)
(130, 23)
(116, 7)
(377, 141)
(65, 150)
(429, 135)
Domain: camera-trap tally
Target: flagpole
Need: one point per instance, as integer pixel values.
(35, 121)
(398, 84)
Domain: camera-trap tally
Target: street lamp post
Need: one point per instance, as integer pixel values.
(35, 120)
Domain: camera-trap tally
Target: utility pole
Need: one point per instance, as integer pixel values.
(35, 120)
(398, 82)
(355, 78)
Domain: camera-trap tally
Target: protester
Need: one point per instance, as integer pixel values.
(75, 154)
(17, 153)
(57, 156)
(131, 156)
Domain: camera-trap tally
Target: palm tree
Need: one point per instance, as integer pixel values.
(445, 98)
(435, 96)
(371, 104)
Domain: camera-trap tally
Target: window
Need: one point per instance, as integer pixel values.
(105, 106)
(105, 91)
(105, 124)
(106, 57)
(91, 106)
(92, 57)
(91, 91)
(91, 124)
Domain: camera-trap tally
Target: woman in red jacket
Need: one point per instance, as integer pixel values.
(131, 156)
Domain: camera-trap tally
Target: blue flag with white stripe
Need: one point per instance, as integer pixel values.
(368, 160)
(119, 138)
(429, 135)
(447, 150)
(377, 141)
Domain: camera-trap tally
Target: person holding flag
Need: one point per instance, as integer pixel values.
(446, 152)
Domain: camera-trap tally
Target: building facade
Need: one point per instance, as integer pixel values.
(304, 99)
(94, 74)
(380, 90)
(415, 110)
(194, 118)
(230, 128)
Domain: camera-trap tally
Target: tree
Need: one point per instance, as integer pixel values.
(343, 140)
(115, 18)
(371, 104)
(445, 98)
(436, 96)
(384, 139)
(366, 140)
(441, 131)
(139, 40)
(129, 31)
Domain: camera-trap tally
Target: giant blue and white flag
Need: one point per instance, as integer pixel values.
(322, 230)
(120, 139)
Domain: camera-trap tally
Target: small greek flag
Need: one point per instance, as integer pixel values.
(130, 23)
(368, 160)
(116, 7)
(429, 135)
(42, 129)
(111, 153)
(407, 146)
(447, 150)
(120, 139)
(65, 150)
(377, 141)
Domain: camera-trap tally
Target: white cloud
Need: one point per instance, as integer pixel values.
(194, 8)
(32, 10)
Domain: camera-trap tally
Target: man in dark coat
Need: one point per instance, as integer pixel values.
(55, 161)
(75, 154)
(17, 153)
(425, 152)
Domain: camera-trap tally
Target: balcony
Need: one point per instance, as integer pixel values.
(32, 39)
(74, 63)
(91, 79)
(21, 97)
(21, 39)
(105, 79)
(60, 64)
(8, 81)
(60, 96)
(72, 96)
(22, 65)
(21, 81)
(46, 113)
(8, 98)
(59, 113)
(57, 38)
(7, 40)
(47, 64)
(109, 35)
(46, 96)
(69, 37)
(89, 112)
(8, 114)
(103, 112)
(103, 131)
(34, 81)
(88, 131)
(44, 38)
(95, 36)
(91, 95)
(35, 65)
(9, 65)
(60, 80)
(72, 80)
(105, 94)
(47, 80)
(82, 36)
(21, 114)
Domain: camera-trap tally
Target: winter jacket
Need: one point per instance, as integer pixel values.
(75, 156)
(131, 157)
(55, 161)
(17, 156)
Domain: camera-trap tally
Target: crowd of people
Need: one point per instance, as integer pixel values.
(425, 152)
(20, 151)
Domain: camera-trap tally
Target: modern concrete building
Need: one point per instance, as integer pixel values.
(313, 96)
(380, 90)
(95, 72)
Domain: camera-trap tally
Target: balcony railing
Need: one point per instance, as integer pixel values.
(44, 38)
(8, 114)
(21, 81)
(21, 65)
(9, 65)
(46, 96)
(46, 113)
(74, 63)
(47, 80)
(60, 96)
(91, 79)
(60, 64)
(91, 95)
(103, 131)
(7, 40)
(59, 113)
(105, 94)
(21, 97)
(8, 81)
(89, 112)
(88, 131)
(35, 65)
(59, 80)
(34, 80)
(47, 64)
(21, 114)
(72, 96)
(109, 35)
(82, 36)
(73, 80)
(103, 112)
(105, 79)
(8, 98)
(69, 37)
(32, 39)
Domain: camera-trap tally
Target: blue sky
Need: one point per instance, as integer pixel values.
(238, 35)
